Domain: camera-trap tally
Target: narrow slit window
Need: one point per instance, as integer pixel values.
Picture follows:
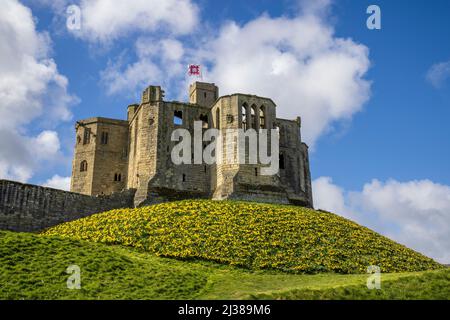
(104, 138)
(87, 136)
(282, 165)
(218, 118)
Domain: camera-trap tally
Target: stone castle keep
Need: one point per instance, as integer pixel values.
(116, 155)
(126, 163)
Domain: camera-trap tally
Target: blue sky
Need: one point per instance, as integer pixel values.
(401, 132)
(385, 147)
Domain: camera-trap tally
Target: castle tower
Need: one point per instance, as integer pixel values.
(246, 112)
(100, 158)
(203, 94)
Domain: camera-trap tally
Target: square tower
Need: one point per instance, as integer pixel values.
(204, 94)
(100, 160)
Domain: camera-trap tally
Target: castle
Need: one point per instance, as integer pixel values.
(116, 155)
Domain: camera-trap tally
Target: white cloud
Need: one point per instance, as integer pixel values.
(58, 182)
(415, 213)
(329, 196)
(298, 62)
(46, 145)
(439, 73)
(108, 20)
(158, 62)
(32, 91)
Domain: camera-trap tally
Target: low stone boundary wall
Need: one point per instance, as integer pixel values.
(25, 207)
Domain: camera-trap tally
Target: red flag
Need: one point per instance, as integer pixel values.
(194, 70)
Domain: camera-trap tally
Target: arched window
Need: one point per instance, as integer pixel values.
(262, 117)
(253, 118)
(83, 166)
(184, 177)
(244, 116)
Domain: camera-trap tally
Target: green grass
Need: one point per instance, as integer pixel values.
(33, 267)
(433, 285)
(251, 235)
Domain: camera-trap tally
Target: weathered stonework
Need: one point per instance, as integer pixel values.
(26, 208)
(138, 150)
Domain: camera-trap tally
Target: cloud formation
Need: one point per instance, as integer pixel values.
(158, 62)
(30, 86)
(108, 20)
(414, 213)
(58, 182)
(438, 74)
(297, 62)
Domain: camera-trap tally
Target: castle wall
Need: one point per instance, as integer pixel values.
(226, 116)
(295, 176)
(141, 151)
(242, 181)
(111, 159)
(105, 154)
(82, 178)
(143, 146)
(26, 208)
(184, 177)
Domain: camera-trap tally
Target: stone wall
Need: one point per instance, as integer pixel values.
(26, 208)
(139, 151)
(105, 153)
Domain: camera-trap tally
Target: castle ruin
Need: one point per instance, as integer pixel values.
(116, 155)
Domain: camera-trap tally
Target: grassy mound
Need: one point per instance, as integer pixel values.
(34, 267)
(255, 236)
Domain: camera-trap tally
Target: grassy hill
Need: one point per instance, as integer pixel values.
(33, 267)
(249, 235)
